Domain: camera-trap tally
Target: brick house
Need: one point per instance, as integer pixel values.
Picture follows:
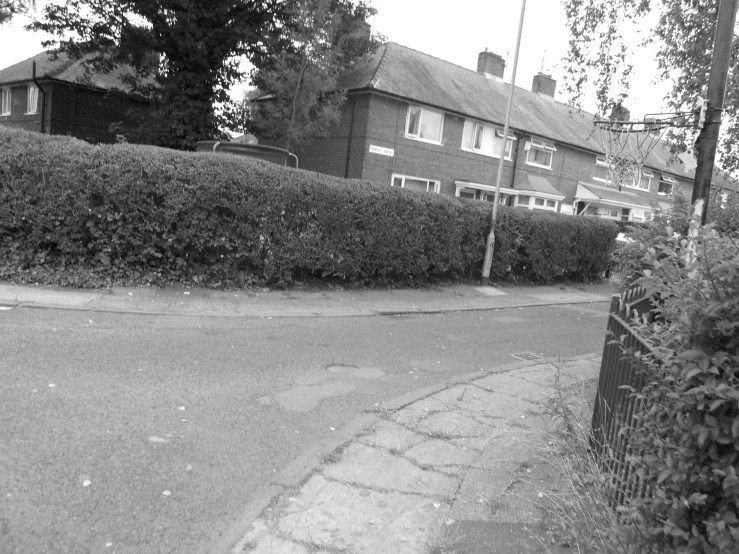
(415, 121)
(64, 98)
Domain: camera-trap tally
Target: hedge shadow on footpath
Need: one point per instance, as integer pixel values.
(77, 214)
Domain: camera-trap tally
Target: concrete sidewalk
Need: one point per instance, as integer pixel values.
(266, 303)
(460, 469)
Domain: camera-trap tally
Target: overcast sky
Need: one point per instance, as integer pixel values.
(454, 31)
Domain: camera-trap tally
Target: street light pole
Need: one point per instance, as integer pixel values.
(708, 137)
(490, 243)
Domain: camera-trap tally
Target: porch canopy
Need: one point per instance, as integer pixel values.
(536, 185)
(610, 197)
(533, 185)
(459, 185)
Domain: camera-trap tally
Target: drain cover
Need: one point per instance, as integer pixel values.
(525, 356)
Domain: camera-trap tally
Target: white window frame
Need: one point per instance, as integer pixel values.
(667, 179)
(538, 144)
(605, 213)
(32, 100)
(531, 205)
(600, 161)
(640, 216)
(417, 136)
(497, 135)
(6, 100)
(435, 184)
(645, 173)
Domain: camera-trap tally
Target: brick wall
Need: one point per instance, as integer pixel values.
(87, 114)
(18, 117)
(446, 162)
(331, 155)
(70, 110)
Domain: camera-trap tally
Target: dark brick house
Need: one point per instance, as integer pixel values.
(64, 98)
(415, 121)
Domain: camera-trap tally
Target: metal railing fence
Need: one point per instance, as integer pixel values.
(615, 407)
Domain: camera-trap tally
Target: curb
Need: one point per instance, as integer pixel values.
(284, 314)
(299, 470)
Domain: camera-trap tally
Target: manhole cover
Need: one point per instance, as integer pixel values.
(525, 356)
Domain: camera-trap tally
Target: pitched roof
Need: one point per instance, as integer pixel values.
(66, 69)
(418, 77)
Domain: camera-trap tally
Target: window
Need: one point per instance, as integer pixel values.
(536, 203)
(638, 215)
(485, 139)
(540, 153)
(415, 183)
(5, 101)
(665, 185)
(608, 213)
(601, 171)
(424, 124)
(645, 180)
(32, 99)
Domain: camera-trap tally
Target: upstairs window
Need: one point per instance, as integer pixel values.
(415, 183)
(601, 172)
(486, 140)
(665, 185)
(5, 101)
(540, 153)
(424, 124)
(645, 180)
(32, 103)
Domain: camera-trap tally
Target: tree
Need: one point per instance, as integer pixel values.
(11, 8)
(685, 29)
(192, 48)
(302, 100)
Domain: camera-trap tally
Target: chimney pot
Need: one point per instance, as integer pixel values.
(544, 84)
(490, 65)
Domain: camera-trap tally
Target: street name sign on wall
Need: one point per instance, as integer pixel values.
(382, 151)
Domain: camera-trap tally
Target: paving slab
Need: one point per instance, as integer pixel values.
(482, 537)
(374, 468)
(392, 437)
(331, 514)
(439, 453)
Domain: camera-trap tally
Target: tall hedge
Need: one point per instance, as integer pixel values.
(79, 214)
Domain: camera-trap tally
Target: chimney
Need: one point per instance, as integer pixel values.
(490, 65)
(544, 84)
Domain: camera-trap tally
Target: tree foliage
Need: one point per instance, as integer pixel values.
(191, 48)
(302, 100)
(684, 33)
(685, 437)
(11, 8)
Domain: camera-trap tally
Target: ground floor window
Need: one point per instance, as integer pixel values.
(5, 101)
(536, 203)
(415, 183)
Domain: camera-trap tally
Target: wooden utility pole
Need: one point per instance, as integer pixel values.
(708, 137)
(490, 243)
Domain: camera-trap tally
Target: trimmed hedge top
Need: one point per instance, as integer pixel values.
(85, 215)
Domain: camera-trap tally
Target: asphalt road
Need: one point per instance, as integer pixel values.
(146, 434)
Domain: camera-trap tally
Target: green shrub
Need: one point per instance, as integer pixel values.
(77, 214)
(688, 428)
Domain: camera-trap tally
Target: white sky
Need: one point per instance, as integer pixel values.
(455, 31)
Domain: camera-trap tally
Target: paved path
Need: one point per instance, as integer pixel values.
(456, 468)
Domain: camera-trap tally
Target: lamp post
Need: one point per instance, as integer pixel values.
(490, 243)
(708, 137)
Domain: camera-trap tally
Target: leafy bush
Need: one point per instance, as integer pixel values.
(688, 428)
(77, 214)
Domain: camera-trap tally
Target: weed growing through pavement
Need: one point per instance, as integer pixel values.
(579, 515)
